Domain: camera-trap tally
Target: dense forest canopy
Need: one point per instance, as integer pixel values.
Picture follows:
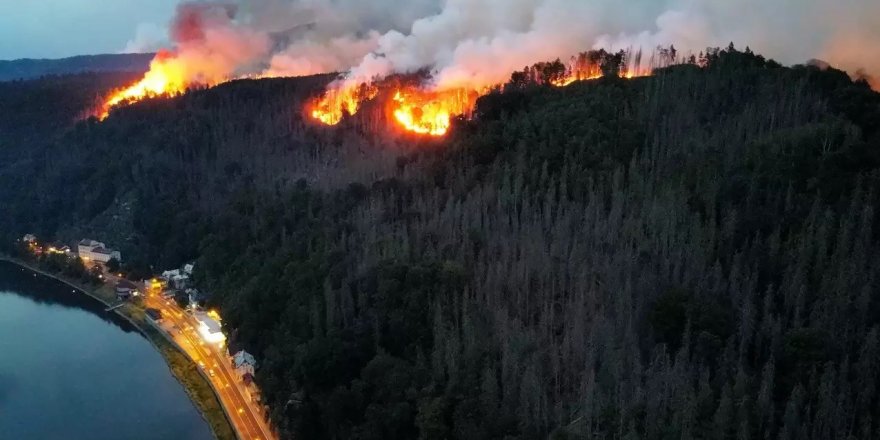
(687, 255)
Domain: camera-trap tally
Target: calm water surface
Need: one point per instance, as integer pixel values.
(68, 370)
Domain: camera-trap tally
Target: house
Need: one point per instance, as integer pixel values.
(29, 238)
(125, 290)
(180, 281)
(64, 250)
(196, 298)
(91, 250)
(176, 279)
(209, 327)
(244, 363)
(154, 315)
(188, 269)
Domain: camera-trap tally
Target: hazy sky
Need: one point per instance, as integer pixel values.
(60, 28)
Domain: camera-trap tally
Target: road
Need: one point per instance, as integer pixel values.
(245, 414)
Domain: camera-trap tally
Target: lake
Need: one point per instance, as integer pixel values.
(69, 370)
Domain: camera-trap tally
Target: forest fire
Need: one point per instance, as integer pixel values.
(166, 77)
(421, 110)
(430, 113)
(337, 102)
(415, 110)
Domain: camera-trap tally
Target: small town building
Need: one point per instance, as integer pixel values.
(125, 290)
(154, 315)
(95, 251)
(244, 363)
(209, 327)
(123, 293)
(29, 238)
(195, 297)
(176, 278)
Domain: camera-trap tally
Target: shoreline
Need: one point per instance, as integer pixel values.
(197, 401)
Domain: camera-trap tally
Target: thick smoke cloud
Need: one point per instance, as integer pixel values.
(211, 46)
(468, 46)
(318, 36)
(842, 32)
(479, 42)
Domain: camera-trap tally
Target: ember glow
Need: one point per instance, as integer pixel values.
(430, 113)
(166, 77)
(338, 101)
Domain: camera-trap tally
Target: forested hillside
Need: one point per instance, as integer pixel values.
(687, 255)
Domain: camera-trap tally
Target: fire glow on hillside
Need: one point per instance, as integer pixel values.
(429, 111)
(414, 108)
(165, 78)
(469, 46)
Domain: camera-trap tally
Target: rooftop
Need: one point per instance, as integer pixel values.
(126, 285)
(211, 324)
(244, 358)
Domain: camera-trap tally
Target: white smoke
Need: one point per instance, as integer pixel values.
(320, 36)
(212, 46)
(148, 37)
(480, 42)
(842, 32)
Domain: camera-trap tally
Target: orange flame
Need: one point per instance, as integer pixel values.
(430, 113)
(593, 72)
(166, 77)
(338, 101)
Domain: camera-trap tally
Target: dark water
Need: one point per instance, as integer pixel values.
(68, 370)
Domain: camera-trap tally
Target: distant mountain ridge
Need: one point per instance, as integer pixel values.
(27, 68)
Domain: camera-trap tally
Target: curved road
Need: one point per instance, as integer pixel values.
(245, 415)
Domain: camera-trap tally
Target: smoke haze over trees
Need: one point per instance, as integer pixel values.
(481, 41)
(687, 255)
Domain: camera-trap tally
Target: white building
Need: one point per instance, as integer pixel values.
(176, 279)
(95, 251)
(29, 238)
(210, 328)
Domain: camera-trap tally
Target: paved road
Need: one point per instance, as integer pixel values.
(244, 413)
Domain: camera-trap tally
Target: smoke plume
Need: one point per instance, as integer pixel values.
(465, 45)
(843, 32)
(476, 43)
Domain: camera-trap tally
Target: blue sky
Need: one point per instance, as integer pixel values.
(60, 28)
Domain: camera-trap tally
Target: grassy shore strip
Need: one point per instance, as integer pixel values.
(184, 370)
